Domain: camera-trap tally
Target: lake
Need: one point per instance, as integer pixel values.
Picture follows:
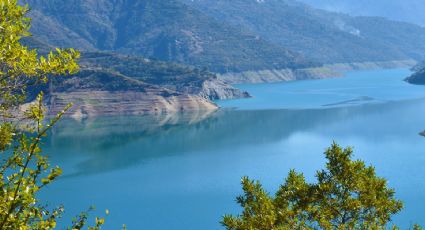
(183, 171)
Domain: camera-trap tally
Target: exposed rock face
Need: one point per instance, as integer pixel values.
(408, 63)
(327, 71)
(219, 90)
(95, 103)
(211, 89)
(270, 76)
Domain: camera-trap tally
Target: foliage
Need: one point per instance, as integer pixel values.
(24, 170)
(348, 195)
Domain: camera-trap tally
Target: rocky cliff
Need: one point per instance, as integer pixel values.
(106, 103)
(95, 93)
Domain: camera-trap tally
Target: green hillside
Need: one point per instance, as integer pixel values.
(166, 30)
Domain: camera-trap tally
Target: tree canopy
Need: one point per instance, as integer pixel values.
(347, 195)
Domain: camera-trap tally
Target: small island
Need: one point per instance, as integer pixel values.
(422, 133)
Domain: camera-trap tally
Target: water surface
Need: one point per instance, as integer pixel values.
(183, 171)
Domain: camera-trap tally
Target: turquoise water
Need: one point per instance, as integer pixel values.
(357, 88)
(183, 171)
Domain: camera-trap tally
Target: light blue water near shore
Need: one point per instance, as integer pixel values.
(358, 87)
(183, 172)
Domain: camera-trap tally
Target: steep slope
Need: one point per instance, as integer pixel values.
(167, 30)
(400, 10)
(325, 36)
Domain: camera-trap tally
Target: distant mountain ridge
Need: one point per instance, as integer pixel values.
(318, 34)
(400, 10)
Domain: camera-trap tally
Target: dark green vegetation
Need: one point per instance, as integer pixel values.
(325, 36)
(348, 195)
(166, 30)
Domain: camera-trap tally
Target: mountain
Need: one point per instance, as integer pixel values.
(167, 30)
(400, 10)
(318, 34)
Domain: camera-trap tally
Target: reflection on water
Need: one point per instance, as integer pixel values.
(102, 140)
(184, 171)
(99, 139)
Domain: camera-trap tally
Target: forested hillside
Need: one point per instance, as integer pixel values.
(167, 30)
(321, 35)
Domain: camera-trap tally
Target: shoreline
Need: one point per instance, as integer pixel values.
(323, 72)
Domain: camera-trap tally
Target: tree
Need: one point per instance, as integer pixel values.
(347, 195)
(24, 170)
